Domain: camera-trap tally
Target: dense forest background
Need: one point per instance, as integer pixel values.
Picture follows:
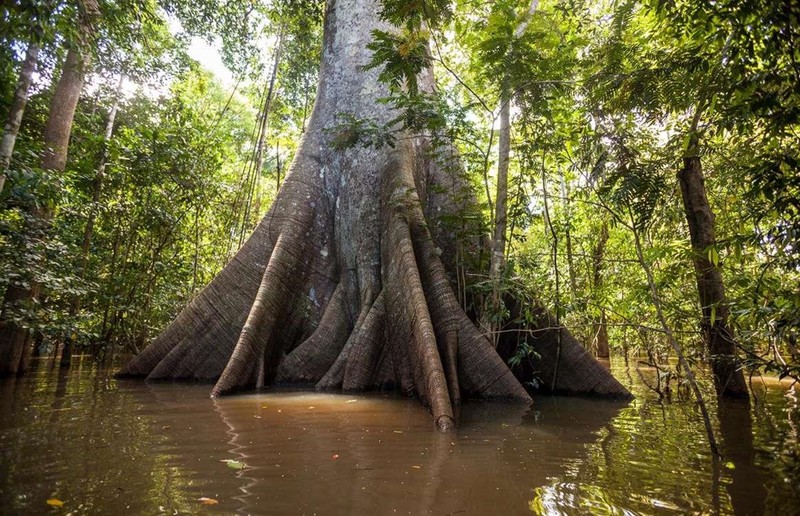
(591, 109)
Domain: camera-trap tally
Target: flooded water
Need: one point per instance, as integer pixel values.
(106, 446)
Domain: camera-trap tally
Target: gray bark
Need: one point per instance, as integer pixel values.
(17, 109)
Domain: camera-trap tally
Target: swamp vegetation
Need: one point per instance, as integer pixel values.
(443, 200)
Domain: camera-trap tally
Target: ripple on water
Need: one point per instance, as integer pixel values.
(104, 447)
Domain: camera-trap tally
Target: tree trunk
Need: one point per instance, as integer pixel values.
(497, 262)
(600, 332)
(14, 337)
(343, 284)
(573, 281)
(728, 378)
(88, 230)
(17, 109)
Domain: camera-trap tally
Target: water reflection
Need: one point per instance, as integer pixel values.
(106, 446)
(746, 487)
(312, 452)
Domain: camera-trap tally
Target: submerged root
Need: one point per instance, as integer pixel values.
(334, 376)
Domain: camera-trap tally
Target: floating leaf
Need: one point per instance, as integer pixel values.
(416, 467)
(334, 456)
(234, 464)
(207, 501)
(55, 502)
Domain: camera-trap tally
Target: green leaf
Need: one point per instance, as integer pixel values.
(235, 464)
(713, 256)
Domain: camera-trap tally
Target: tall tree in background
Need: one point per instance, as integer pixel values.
(672, 68)
(88, 230)
(497, 260)
(15, 337)
(17, 109)
(32, 18)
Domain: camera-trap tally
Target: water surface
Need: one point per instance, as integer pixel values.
(107, 446)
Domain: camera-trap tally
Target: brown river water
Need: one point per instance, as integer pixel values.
(106, 446)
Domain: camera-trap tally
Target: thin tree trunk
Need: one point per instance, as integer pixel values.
(497, 260)
(554, 255)
(600, 331)
(17, 109)
(573, 282)
(88, 230)
(676, 347)
(728, 378)
(112, 274)
(501, 197)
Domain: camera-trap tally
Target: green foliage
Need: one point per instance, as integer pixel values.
(403, 56)
(170, 209)
(417, 13)
(606, 98)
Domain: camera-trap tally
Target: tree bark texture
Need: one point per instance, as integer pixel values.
(15, 337)
(728, 378)
(343, 284)
(17, 109)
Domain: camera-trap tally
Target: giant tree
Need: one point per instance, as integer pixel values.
(344, 283)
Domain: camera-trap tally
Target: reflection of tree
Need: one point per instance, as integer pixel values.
(329, 453)
(78, 438)
(654, 455)
(746, 487)
(106, 447)
(187, 446)
(778, 445)
(238, 451)
(313, 452)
